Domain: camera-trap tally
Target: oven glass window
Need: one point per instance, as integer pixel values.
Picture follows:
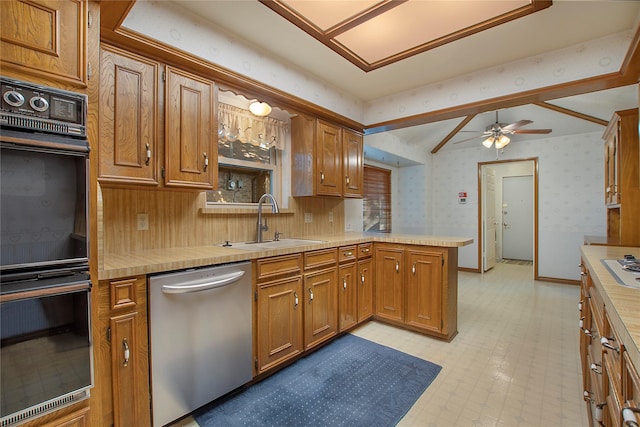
(43, 213)
(45, 349)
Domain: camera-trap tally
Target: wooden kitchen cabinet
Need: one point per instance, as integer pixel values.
(132, 150)
(122, 352)
(128, 148)
(389, 283)
(278, 310)
(45, 38)
(320, 297)
(622, 178)
(352, 163)
(347, 288)
(416, 287)
(326, 159)
(191, 154)
(365, 289)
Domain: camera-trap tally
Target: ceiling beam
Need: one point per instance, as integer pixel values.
(453, 133)
(572, 113)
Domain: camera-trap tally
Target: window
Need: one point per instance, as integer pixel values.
(376, 204)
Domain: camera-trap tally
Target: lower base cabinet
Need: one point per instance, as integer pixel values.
(122, 353)
(416, 287)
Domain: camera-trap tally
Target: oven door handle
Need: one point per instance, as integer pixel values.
(199, 285)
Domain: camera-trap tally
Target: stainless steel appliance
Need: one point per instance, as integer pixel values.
(200, 331)
(45, 342)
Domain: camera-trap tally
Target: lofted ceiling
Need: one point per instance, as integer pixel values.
(371, 49)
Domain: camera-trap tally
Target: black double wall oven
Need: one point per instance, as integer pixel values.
(45, 288)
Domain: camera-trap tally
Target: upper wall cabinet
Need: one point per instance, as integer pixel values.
(45, 38)
(128, 146)
(326, 159)
(622, 178)
(131, 145)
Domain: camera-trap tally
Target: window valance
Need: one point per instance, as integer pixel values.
(238, 124)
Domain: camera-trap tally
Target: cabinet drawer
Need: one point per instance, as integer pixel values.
(630, 384)
(268, 268)
(365, 250)
(123, 293)
(321, 258)
(612, 349)
(347, 253)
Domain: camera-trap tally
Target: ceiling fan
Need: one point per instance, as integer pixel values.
(497, 133)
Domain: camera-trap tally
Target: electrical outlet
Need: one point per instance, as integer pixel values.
(330, 216)
(143, 221)
(308, 217)
(349, 227)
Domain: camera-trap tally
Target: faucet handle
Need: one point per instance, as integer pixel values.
(277, 236)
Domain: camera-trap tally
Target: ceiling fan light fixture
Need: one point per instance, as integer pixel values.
(260, 109)
(489, 141)
(502, 141)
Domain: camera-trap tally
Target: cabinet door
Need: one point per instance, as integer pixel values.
(45, 38)
(347, 296)
(279, 321)
(611, 167)
(424, 290)
(191, 157)
(352, 165)
(321, 307)
(389, 283)
(128, 146)
(328, 160)
(365, 289)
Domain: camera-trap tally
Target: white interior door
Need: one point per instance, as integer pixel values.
(517, 217)
(489, 219)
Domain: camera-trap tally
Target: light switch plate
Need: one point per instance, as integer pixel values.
(308, 217)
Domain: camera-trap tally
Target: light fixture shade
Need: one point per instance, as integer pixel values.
(488, 142)
(502, 141)
(260, 108)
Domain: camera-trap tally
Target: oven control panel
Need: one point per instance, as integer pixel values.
(34, 108)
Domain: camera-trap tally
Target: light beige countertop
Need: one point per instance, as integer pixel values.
(159, 260)
(621, 303)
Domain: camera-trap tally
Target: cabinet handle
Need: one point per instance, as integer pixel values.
(206, 162)
(347, 180)
(582, 273)
(594, 367)
(629, 416)
(580, 305)
(581, 323)
(590, 334)
(599, 407)
(397, 266)
(365, 250)
(310, 295)
(148, 159)
(344, 283)
(605, 343)
(580, 265)
(125, 348)
(295, 299)
(348, 253)
(362, 278)
(413, 269)
(321, 177)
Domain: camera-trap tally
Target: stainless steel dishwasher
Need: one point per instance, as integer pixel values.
(200, 332)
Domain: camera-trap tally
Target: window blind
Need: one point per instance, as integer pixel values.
(377, 199)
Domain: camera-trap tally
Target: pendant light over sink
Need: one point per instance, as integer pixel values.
(260, 109)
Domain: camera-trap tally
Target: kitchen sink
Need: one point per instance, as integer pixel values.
(272, 244)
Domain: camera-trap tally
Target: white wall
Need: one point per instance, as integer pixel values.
(570, 197)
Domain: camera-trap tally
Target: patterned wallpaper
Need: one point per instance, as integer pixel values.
(570, 197)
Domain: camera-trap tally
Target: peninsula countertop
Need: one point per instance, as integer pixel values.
(622, 303)
(114, 266)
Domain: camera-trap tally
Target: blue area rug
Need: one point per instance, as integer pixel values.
(349, 382)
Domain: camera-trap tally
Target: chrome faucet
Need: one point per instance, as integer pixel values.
(274, 209)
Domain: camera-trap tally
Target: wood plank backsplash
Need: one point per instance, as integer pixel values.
(176, 220)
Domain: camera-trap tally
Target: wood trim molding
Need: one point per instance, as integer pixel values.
(453, 133)
(572, 113)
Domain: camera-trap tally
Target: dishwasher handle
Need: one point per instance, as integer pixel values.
(200, 285)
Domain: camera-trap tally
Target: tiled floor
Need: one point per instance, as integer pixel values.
(514, 362)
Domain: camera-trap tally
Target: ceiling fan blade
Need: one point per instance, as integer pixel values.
(532, 131)
(517, 124)
(469, 139)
